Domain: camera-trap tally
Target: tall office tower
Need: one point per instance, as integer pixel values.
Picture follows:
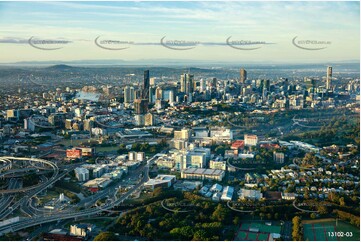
(186, 83)
(260, 84)
(267, 85)
(190, 86)
(242, 75)
(151, 94)
(152, 81)
(214, 82)
(88, 124)
(158, 93)
(68, 123)
(329, 78)
(149, 119)
(129, 94)
(145, 88)
(12, 114)
(182, 83)
(78, 112)
(171, 97)
(202, 85)
(57, 119)
(141, 106)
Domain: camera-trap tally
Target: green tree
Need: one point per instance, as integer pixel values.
(297, 233)
(236, 220)
(157, 192)
(220, 213)
(200, 235)
(182, 233)
(342, 202)
(322, 209)
(105, 236)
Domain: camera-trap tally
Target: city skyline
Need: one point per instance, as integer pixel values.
(210, 30)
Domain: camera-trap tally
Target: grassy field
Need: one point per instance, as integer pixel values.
(49, 196)
(316, 230)
(99, 222)
(107, 149)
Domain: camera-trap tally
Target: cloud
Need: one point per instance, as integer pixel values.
(13, 41)
(210, 23)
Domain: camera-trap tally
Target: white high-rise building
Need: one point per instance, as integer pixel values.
(139, 119)
(61, 197)
(129, 94)
(82, 174)
(329, 78)
(152, 81)
(78, 112)
(203, 85)
(171, 97)
(186, 83)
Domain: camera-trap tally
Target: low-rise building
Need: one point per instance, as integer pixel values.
(278, 157)
(202, 174)
(250, 140)
(216, 196)
(73, 153)
(187, 185)
(165, 162)
(216, 188)
(289, 196)
(238, 144)
(249, 194)
(160, 181)
(82, 174)
(97, 183)
(218, 164)
(81, 229)
(227, 194)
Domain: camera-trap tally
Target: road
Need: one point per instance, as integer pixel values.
(7, 199)
(25, 223)
(36, 187)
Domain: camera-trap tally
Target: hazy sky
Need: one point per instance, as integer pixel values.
(209, 24)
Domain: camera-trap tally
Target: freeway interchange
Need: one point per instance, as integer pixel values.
(85, 208)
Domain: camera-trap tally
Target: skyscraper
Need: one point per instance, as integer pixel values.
(242, 75)
(151, 97)
(186, 83)
(267, 85)
(329, 78)
(128, 94)
(152, 81)
(159, 93)
(145, 88)
(141, 106)
(171, 97)
(202, 85)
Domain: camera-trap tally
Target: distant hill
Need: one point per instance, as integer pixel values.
(60, 67)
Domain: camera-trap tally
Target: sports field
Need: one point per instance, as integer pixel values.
(316, 231)
(256, 231)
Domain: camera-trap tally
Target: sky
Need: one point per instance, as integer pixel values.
(265, 32)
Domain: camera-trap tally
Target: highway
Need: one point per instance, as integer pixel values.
(22, 202)
(25, 223)
(6, 200)
(87, 212)
(14, 172)
(49, 182)
(28, 193)
(6, 164)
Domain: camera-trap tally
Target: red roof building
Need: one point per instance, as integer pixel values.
(238, 144)
(270, 146)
